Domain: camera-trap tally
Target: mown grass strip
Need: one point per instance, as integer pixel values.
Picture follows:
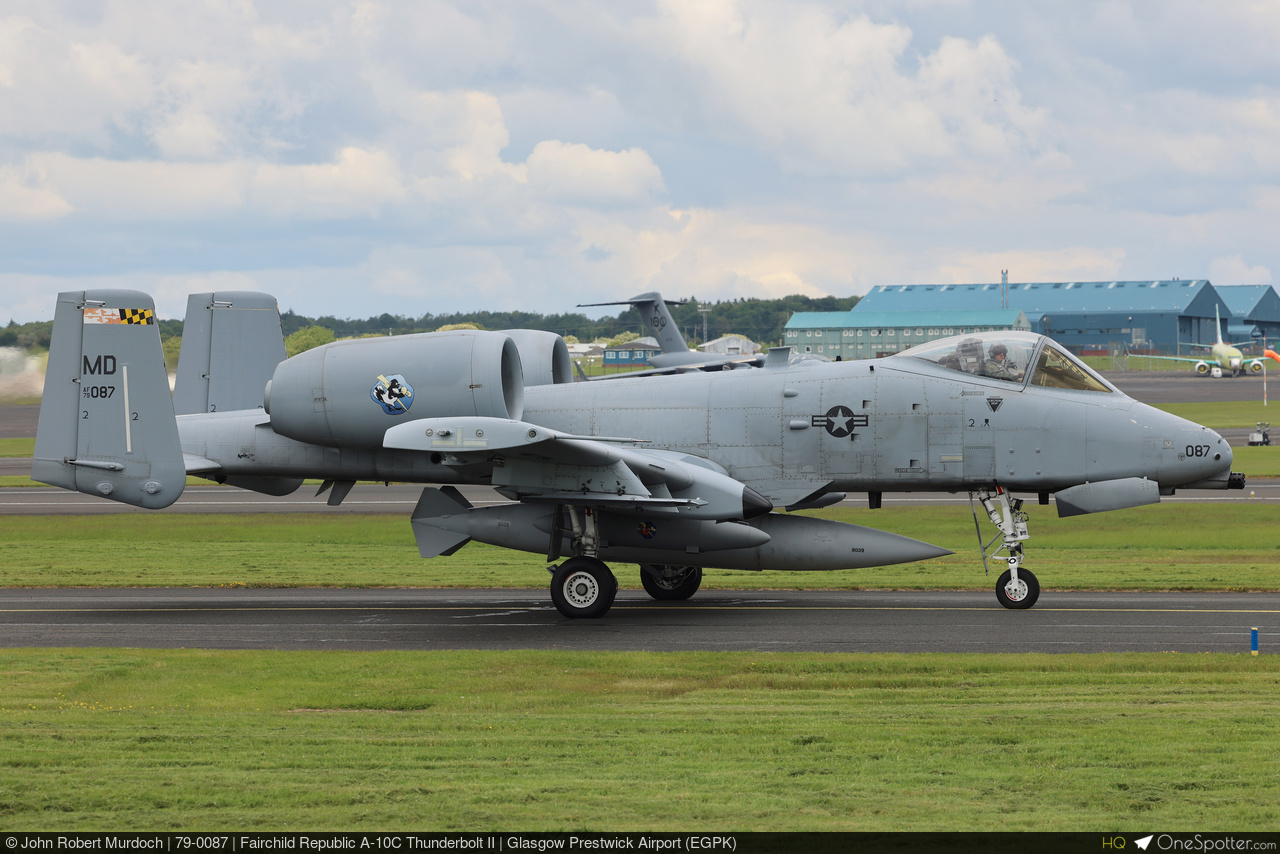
(167, 740)
(17, 447)
(1225, 415)
(1167, 547)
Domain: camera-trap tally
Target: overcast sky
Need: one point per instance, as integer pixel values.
(355, 158)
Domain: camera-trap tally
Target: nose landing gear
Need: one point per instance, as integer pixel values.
(1016, 588)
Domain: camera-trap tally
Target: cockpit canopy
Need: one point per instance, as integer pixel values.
(1010, 356)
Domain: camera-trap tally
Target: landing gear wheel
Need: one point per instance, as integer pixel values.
(1019, 594)
(670, 583)
(583, 587)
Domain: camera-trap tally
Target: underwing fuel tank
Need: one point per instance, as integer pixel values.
(443, 522)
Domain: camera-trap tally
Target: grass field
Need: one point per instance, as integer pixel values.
(1164, 547)
(182, 739)
(213, 740)
(1224, 415)
(171, 740)
(17, 447)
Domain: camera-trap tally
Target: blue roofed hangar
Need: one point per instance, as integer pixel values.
(1146, 315)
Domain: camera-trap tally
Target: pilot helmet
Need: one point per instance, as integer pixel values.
(999, 350)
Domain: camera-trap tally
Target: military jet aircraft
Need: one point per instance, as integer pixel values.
(1224, 359)
(673, 473)
(675, 355)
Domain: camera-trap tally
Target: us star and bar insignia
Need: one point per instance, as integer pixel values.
(840, 421)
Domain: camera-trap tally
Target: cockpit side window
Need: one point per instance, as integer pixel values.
(1056, 369)
(983, 356)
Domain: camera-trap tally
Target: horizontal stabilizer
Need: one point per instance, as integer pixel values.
(196, 464)
(1107, 495)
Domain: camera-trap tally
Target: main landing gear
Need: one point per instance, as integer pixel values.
(669, 582)
(1016, 588)
(584, 587)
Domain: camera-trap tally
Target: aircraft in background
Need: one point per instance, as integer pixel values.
(1224, 359)
(674, 473)
(676, 355)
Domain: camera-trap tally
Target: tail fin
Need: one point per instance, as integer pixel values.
(106, 419)
(231, 344)
(653, 308)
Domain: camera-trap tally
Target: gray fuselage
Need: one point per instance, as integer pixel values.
(887, 425)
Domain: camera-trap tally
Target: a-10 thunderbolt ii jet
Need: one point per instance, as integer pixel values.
(674, 473)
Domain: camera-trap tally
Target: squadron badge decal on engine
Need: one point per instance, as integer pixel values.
(393, 393)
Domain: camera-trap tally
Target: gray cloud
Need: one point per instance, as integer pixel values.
(374, 156)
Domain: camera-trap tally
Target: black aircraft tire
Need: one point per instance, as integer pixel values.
(583, 588)
(1030, 593)
(672, 590)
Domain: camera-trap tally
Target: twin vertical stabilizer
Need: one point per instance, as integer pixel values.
(231, 344)
(107, 426)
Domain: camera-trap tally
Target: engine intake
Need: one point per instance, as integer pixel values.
(349, 393)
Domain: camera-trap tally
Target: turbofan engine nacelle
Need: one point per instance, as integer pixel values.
(1202, 368)
(543, 355)
(349, 393)
(1255, 367)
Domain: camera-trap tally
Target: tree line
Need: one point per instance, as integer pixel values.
(761, 320)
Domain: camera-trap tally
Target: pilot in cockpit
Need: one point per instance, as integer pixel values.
(999, 365)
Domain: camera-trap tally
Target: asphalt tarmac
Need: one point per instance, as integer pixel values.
(1186, 387)
(764, 621)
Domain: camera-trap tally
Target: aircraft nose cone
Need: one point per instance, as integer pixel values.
(1203, 456)
(754, 504)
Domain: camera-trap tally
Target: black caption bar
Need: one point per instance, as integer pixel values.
(606, 843)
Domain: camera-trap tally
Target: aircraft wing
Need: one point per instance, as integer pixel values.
(536, 464)
(1190, 359)
(716, 363)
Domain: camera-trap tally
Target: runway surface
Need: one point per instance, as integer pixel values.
(1185, 387)
(775, 621)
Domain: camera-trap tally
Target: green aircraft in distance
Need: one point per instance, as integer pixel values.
(1223, 360)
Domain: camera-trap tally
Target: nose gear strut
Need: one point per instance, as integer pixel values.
(1016, 588)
